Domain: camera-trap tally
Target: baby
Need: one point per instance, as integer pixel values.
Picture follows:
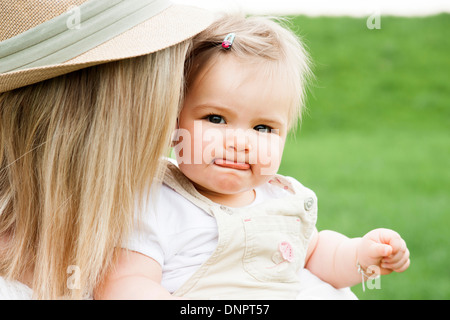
(225, 225)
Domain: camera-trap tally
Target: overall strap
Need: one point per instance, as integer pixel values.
(177, 181)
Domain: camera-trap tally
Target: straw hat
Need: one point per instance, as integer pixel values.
(40, 39)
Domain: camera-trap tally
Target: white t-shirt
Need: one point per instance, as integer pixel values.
(179, 235)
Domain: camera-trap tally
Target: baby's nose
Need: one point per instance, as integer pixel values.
(238, 142)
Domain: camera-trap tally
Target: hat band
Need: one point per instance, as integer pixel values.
(75, 32)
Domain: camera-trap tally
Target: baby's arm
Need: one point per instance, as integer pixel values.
(333, 257)
(135, 276)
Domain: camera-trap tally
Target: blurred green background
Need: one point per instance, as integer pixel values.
(375, 141)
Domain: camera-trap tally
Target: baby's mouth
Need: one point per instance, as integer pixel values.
(231, 164)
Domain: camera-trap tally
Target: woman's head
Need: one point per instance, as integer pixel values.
(79, 148)
(240, 103)
(40, 40)
(76, 151)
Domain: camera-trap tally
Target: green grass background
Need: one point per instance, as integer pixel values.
(375, 141)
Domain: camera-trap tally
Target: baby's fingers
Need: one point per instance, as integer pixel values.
(380, 250)
(398, 266)
(398, 246)
(399, 251)
(398, 262)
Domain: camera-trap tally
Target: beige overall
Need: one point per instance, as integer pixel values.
(260, 249)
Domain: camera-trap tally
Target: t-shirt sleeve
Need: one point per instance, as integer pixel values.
(146, 235)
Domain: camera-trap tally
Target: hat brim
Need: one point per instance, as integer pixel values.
(172, 26)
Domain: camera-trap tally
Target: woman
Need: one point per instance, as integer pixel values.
(89, 90)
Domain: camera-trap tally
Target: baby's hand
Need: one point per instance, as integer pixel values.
(383, 248)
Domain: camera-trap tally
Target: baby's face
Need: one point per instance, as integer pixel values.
(232, 127)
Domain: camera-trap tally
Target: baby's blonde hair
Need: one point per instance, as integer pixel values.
(261, 40)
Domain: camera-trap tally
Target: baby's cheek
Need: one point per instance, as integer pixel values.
(270, 168)
(270, 157)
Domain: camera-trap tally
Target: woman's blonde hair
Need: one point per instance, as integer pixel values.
(75, 153)
(263, 40)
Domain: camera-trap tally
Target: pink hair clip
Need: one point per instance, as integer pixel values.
(228, 41)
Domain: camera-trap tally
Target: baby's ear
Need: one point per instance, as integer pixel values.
(174, 137)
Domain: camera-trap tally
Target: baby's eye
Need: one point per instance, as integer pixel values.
(262, 128)
(214, 118)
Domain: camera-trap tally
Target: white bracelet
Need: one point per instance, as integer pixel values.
(363, 274)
